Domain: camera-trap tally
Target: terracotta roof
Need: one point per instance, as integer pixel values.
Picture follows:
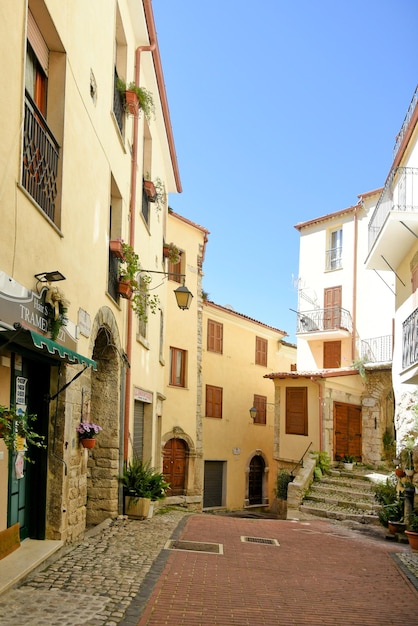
(370, 193)
(329, 216)
(251, 319)
(315, 374)
(184, 219)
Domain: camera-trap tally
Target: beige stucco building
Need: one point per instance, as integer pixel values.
(340, 398)
(238, 450)
(72, 170)
(393, 249)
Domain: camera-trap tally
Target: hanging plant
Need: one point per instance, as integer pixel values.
(16, 430)
(143, 97)
(57, 310)
(141, 300)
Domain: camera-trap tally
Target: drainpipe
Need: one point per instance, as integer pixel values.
(132, 213)
(354, 329)
(321, 435)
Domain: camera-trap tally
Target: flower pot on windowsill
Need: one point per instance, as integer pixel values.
(150, 190)
(125, 289)
(115, 246)
(132, 102)
(88, 443)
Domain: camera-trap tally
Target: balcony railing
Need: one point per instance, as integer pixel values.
(331, 318)
(118, 108)
(410, 340)
(405, 123)
(377, 349)
(399, 194)
(333, 258)
(40, 159)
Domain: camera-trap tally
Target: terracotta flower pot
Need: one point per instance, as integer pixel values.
(132, 102)
(150, 190)
(116, 248)
(412, 539)
(396, 527)
(125, 289)
(399, 472)
(88, 443)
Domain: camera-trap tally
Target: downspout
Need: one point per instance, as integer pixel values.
(314, 380)
(132, 212)
(354, 329)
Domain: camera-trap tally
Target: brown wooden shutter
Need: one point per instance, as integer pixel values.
(260, 403)
(215, 336)
(332, 354)
(296, 410)
(213, 401)
(332, 307)
(261, 351)
(38, 43)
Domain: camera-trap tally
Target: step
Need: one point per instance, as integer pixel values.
(333, 511)
(343, 502)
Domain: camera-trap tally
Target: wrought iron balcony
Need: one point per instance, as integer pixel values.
(333, 258)
(40, 159)
(377, 349)
(405, 123)
(399, 194)
(329, 319)
(410, 340)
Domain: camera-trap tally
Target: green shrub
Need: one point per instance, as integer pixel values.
(323, 461)
(282, 481)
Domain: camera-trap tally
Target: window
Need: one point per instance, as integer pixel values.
(332, 354)
(215, 337)
(213, 401)
(143, 320)
(174, 269)
(260, 403)
(334, 252)
(261, 351)
(332, 307)
(177, 367)
(296, 410)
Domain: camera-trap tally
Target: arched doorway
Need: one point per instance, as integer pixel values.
(174, 465)
(255, 480)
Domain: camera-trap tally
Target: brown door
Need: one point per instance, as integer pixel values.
(174, 466)
(332, 307)
(347, 429)
(255, 480)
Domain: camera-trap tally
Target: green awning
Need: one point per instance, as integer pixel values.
(56, 350)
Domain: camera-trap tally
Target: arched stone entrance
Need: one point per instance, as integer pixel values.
(256, 472)
(104, 462)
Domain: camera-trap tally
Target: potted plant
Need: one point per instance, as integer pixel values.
(348, 461)
(57, 310)
(16, 430)
(280, 491)
(171, 252)
(412, 531)
(142, 484)
(407, 455)
(136, 97)
(409, 489)
(394, 514)
(129, 267)
(115, 246)
(87, 432)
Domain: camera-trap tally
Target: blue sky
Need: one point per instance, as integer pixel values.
(282, 111)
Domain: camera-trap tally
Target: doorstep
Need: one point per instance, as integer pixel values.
(21, 562)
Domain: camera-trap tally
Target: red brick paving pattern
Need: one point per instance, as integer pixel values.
(321, 574)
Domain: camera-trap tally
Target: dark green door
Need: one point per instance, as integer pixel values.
(27, 495)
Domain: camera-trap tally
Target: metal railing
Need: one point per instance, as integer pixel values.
(377, 349)
(330, 318)
(410, 340)
(118, 104)
(399, 194)
(333, 259)
(405, 123)
(39, 159)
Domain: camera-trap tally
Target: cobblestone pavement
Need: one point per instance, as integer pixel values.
(117, 574)
(96, 581)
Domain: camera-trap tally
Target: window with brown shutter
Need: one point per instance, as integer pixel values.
(332, 354)
(174, 269)
(260, 403)
(215, 337)
(213, 401)
(332, 307)
(296, 410)
(261, 351)
(177, 367)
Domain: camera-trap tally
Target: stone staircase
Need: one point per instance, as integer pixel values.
(343, 495)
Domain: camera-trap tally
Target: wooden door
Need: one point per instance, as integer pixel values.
(347, 430)
(255, 480)
(174, 466)
(332, 307)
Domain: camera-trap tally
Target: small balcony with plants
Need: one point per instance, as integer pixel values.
(377, 349)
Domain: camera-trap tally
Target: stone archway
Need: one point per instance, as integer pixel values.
(256, 474)
(104, 461)
(377, 413)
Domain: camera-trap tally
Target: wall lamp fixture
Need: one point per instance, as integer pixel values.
(49, 277)
(182, 294)
(253, 410)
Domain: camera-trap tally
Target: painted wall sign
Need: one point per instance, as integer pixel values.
(142, 395)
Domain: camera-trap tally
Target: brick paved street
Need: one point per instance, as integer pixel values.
(321, 573)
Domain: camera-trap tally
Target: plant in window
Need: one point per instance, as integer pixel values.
(129, 268)
(142, 96)
(172, 253)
